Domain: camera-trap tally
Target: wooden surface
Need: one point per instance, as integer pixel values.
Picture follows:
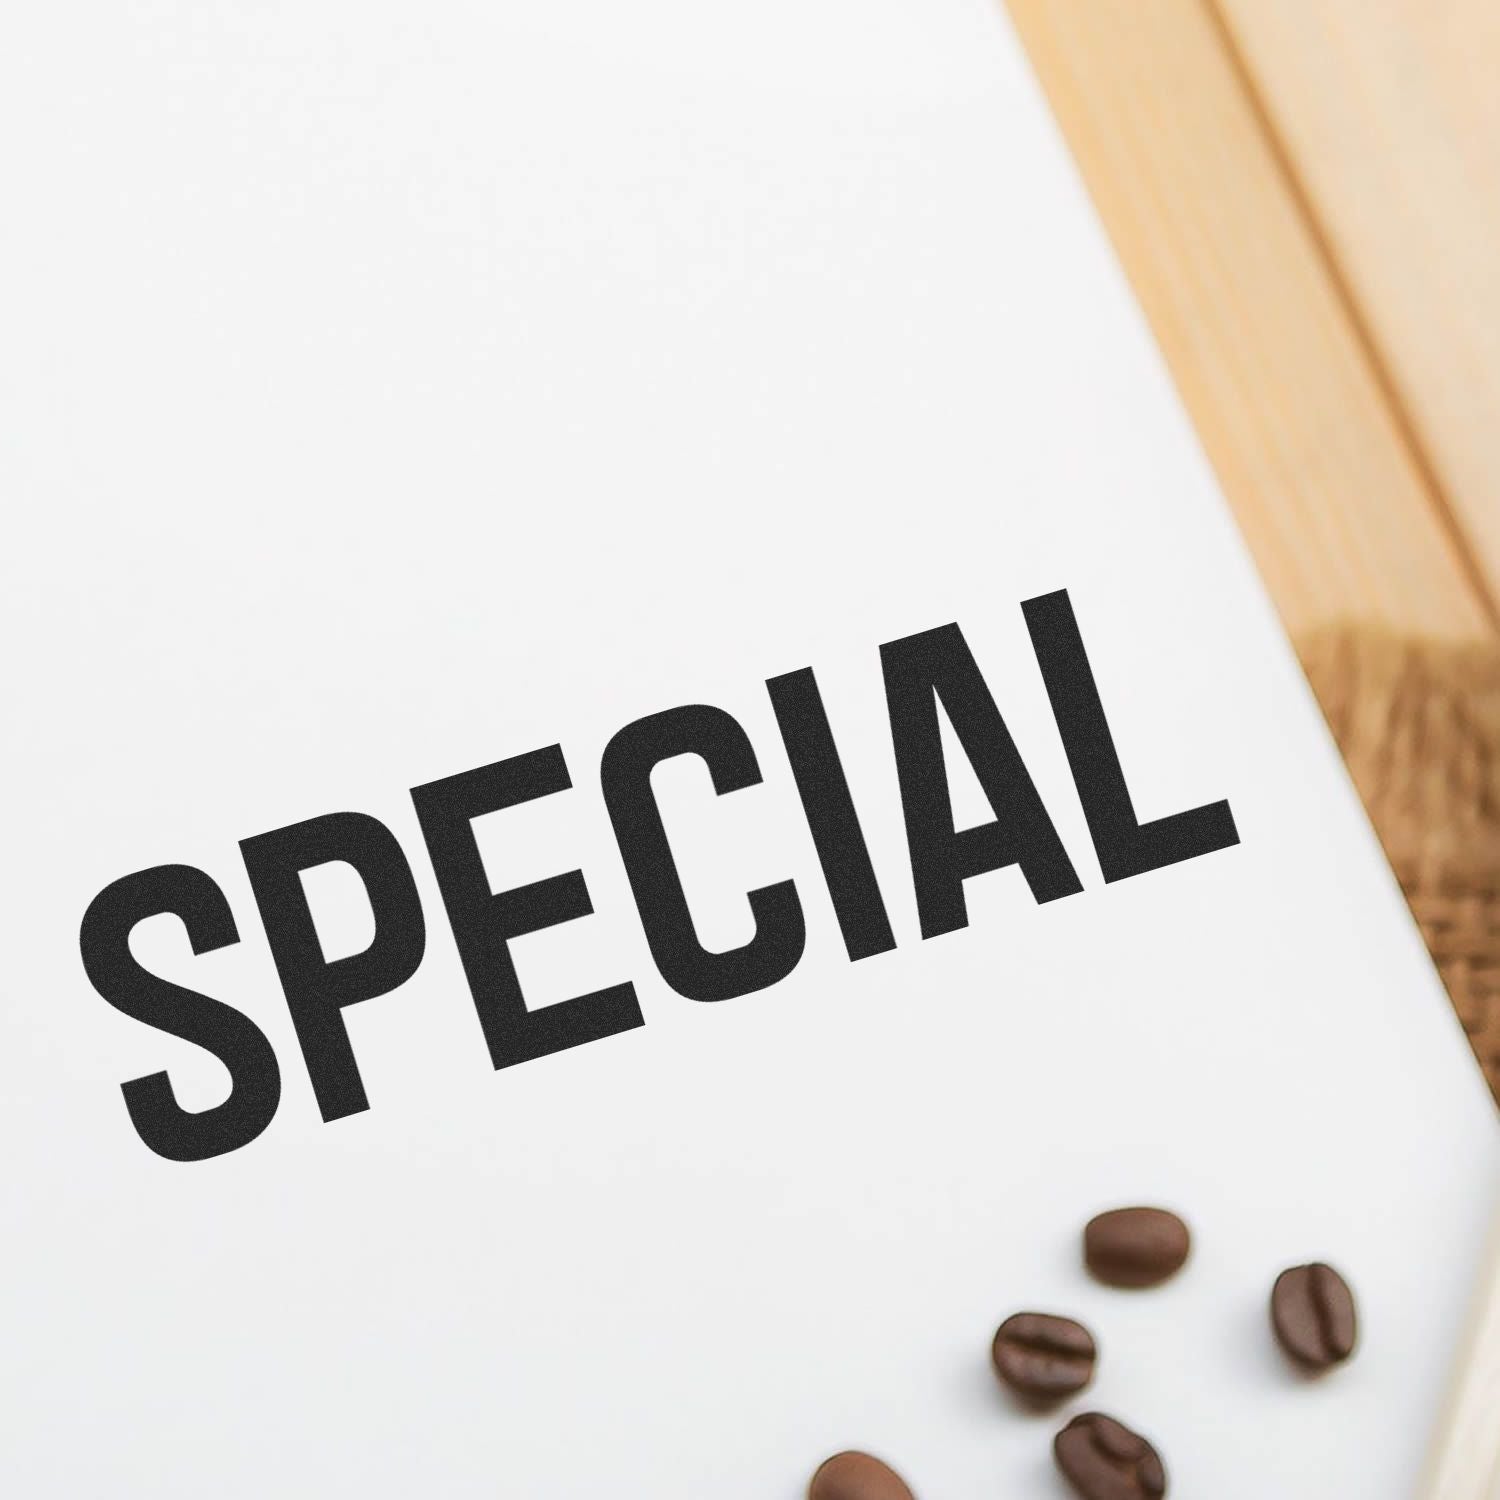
(1389, 114)
(1306, 197)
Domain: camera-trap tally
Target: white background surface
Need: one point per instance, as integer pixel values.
(388, 389)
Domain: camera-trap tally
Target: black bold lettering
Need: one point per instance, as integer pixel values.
(830, 813)
(776, 947)
(317, 990)
(920, 670)
(1124, 846)
(238, 1043)
(484, 922)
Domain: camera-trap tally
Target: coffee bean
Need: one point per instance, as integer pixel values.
(1135, 1246)
(1043, 1358)
(1312, 1314)
(1104, 1460)
(856, 1476)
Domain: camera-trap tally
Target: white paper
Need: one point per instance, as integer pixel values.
(393, 389)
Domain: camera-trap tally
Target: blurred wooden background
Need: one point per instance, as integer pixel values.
(1306, 197)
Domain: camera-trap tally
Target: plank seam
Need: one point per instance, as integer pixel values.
(1406, 429)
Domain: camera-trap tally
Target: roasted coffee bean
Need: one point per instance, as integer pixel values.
(1104, 1460)
(1135, 1246)
(1312, 1314)
(856, 1476)
(1043, 1358)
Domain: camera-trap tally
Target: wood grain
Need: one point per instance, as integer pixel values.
(1388, 112)
(1314, 454)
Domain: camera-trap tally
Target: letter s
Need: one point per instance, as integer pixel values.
(104, 940)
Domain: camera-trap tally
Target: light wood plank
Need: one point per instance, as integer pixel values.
(1389, 111)
(1332, 499)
